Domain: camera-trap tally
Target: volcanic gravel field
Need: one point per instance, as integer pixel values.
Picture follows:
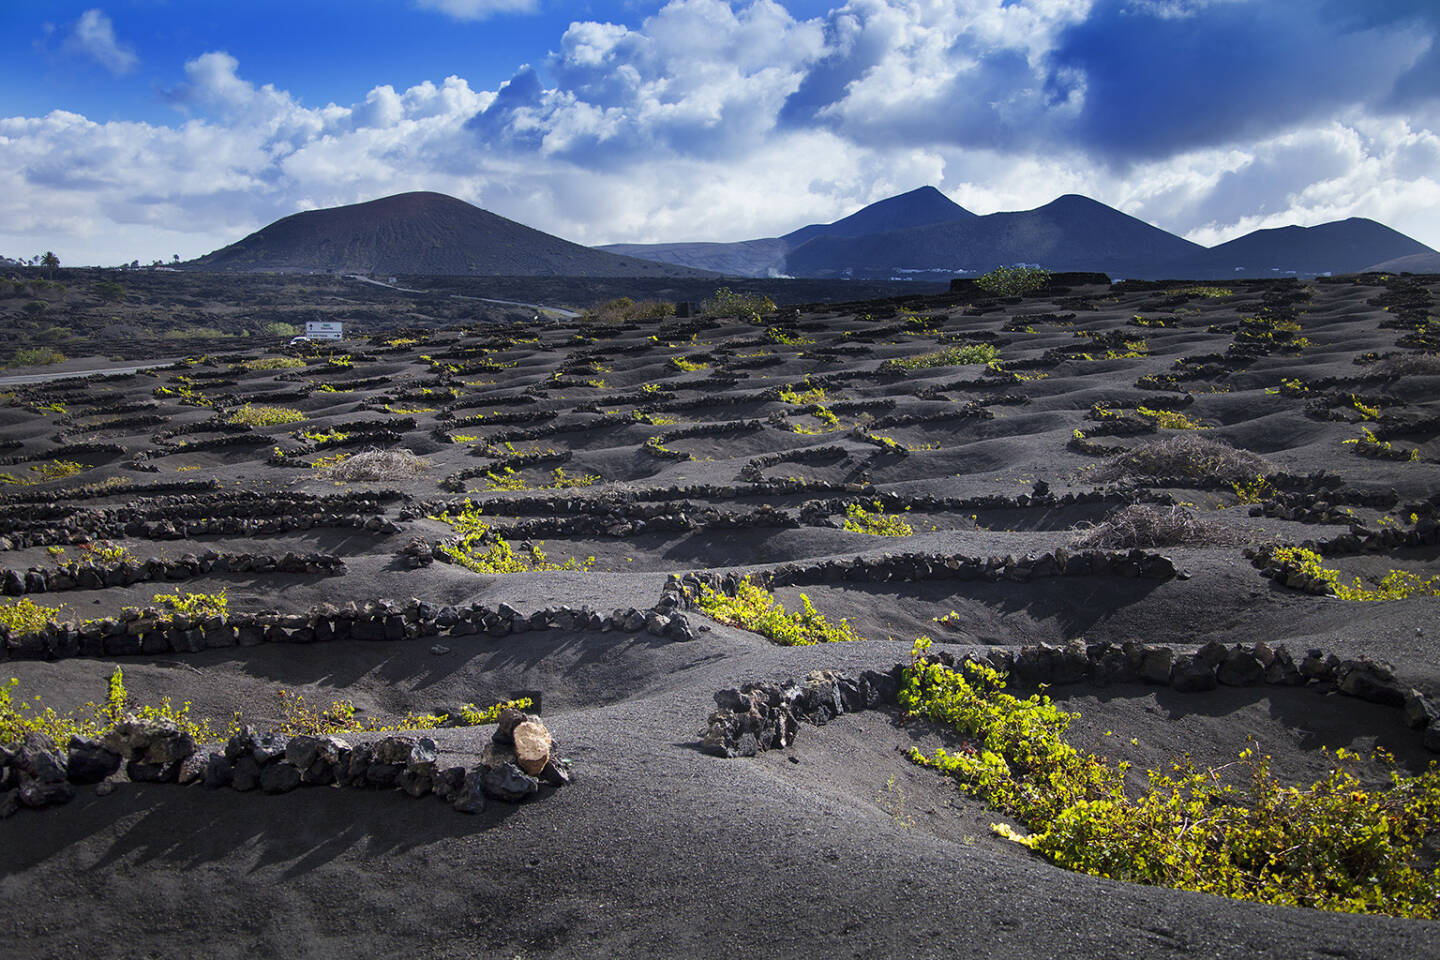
(721, 446)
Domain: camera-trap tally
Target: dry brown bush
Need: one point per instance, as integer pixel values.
(1185, 455)
(375, 464)
(1410, 364)
(1147, 525)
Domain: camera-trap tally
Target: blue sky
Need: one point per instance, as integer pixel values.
(136, 129)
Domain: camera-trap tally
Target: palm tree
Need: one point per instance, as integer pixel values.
(50, 262)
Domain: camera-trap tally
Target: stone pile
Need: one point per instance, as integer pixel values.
(516, 763)
(818, 512)
(137, 459)
(92, 491)
(751, 472)
(95, 576)
(974, 410)
(146, 632)
(889, 568)
(1424, 532)
(97, 429)
(766, 716)
(69, 451)
(193, 516)
(1209, 667)
(720, 428)
(628, 522)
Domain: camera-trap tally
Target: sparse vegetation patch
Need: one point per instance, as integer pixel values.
(755, 609)
(1234, 831)
(1014, 281)
(261, 415)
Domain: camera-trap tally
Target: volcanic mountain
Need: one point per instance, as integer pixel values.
(918, 208)
(1343, 246)
(419, 233)
(923, 235)
(1414, 263)
(1070, 233)
(767, 256)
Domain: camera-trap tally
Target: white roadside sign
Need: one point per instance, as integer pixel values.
(324, 329)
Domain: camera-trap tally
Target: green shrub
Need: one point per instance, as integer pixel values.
(1395, 585)
(959, 355)
(55, 470)
(195, 605)
(273, 363)
(511, 479)
(755, 609)
(301, 719)
(877, 523)
(109, 291)
(1257, 490)
(481, 551)
(36, 357)
(19, 717)
(725, 302)
(784, 338)
(471, 716)
(1014, 281)
(1369, 445)
(1333, 845)
(26, 616)
(1169, 419)
(829, 422)
(260, 415)
(104, 551)
(277, 329)
(805, 394)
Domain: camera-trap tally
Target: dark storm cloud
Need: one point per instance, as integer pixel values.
(1165, 77)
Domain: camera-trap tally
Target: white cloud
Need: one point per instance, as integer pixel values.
(478, 9)
(94, 36)
(686, 127)
(699, 77)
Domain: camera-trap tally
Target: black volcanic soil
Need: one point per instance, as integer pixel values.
(105, 315)
(837, 847)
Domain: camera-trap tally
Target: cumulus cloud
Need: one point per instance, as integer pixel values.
(478, 9)
(730, 120)
(699, 77)
(93, 36)
(968, 73)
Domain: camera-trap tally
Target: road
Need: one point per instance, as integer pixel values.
(539, 308)
(22, 379)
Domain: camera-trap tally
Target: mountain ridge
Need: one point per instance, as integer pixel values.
(417, 233)
(1071, 232)
(920, 234)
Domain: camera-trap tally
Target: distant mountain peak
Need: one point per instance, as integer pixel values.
(927, 194)
(1341, 246)
(1076, 200)
(418, 233)
(920, 207)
